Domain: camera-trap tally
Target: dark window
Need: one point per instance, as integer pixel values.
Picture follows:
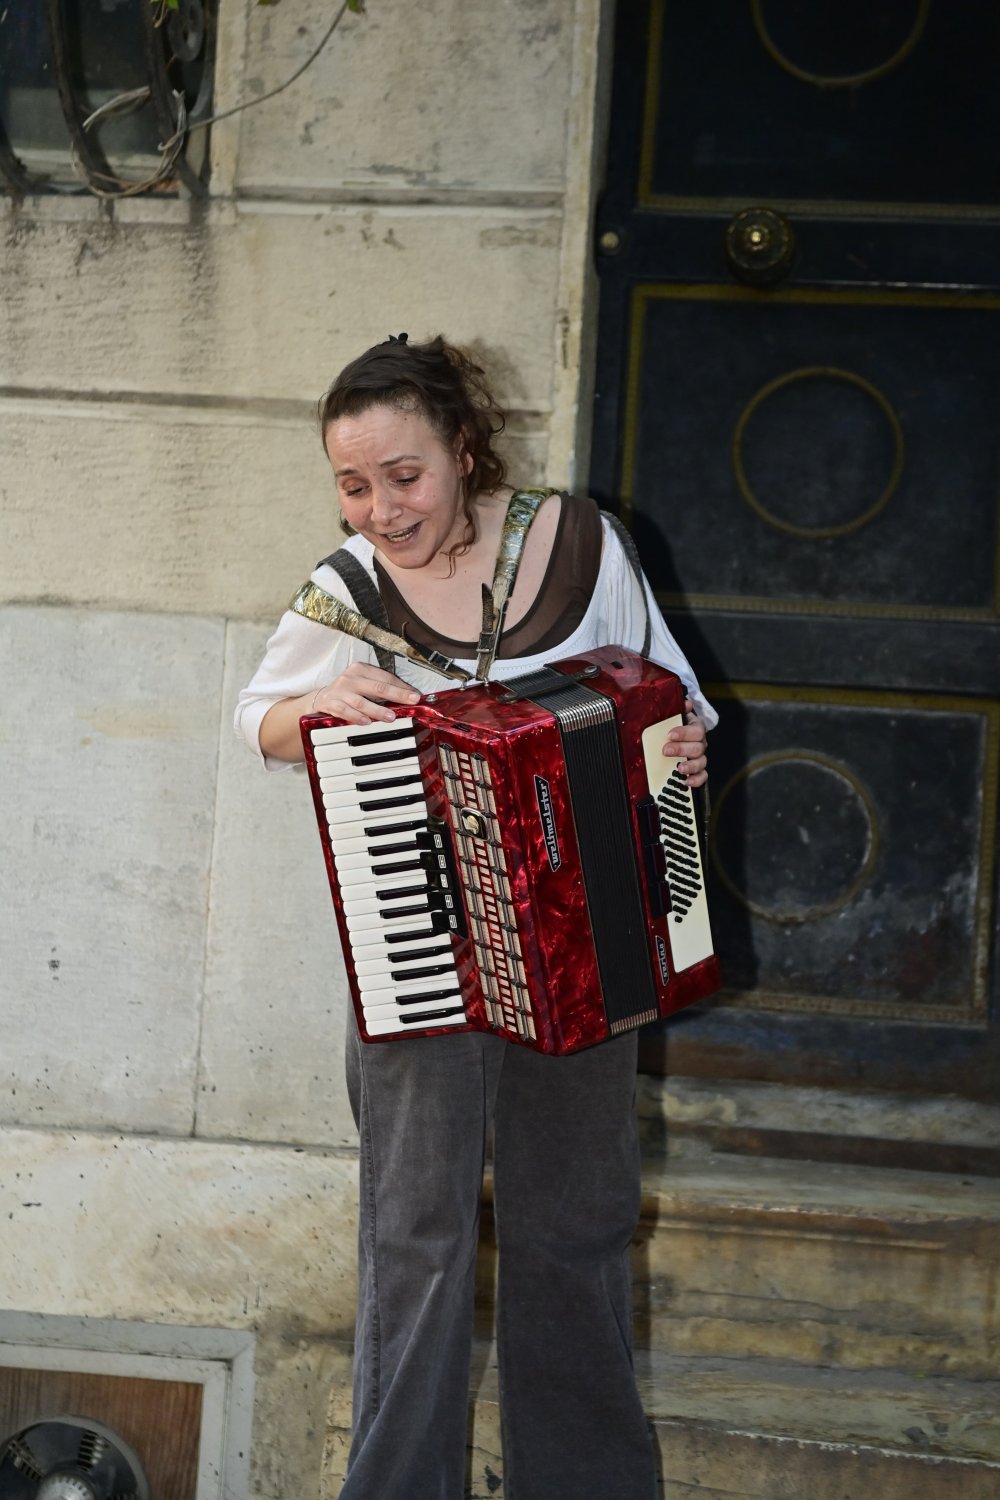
(63, 60)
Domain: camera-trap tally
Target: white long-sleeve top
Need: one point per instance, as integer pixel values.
(303, 656)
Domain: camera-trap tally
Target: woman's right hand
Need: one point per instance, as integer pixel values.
(360, 694)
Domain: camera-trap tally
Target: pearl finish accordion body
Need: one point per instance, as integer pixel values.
(518, 858)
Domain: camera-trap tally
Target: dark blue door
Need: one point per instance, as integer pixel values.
(798, 415)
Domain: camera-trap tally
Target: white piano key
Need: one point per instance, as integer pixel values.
(370, 857)
(367, 826)
(365, 906)
(384, 1002)
(369, 851)
(360, 781)
(354, 882)
(372, 967)
(377, 951)
(334, 735)
(374, 992)
(390, 888)
(365, 944)
(394, 765)
(380, 921)
(346, 754)
(381, 1015)
(352, 799)
(340, 733)
(388, 1025)
(369, 760)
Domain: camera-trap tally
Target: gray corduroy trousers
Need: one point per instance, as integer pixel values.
(566, 1199)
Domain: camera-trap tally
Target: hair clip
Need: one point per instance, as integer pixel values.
(392, 339)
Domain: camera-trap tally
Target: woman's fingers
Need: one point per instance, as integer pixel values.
(360, 695)
(695, 772)
(689, 743)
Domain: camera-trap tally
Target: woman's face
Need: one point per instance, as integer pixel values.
(399, 485)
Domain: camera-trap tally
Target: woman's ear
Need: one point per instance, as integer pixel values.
(466, 461)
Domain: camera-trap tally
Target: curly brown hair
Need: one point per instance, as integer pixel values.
(444, 384)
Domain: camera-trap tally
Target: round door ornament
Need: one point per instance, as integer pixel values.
(851, 380)
(838, 80)
(803, 841)
(760, 246)
(610, 241)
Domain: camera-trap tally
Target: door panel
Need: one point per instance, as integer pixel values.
(810, 464)
(867, 101)
(812, 428)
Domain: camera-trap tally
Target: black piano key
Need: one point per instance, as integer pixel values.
(387, 781)
(367, 807)
(379, 736)
(424, 909)
(399, 976)
(411, 955)
(406, 753)
(401, 892)
(427, 1018)
(429, 996)
(438, 925)
(377, 830)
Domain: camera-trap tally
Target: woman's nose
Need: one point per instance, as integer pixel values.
(384, 506)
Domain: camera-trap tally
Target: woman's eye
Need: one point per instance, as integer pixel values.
(407, 478)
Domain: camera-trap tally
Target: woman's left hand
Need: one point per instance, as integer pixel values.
(690, 743)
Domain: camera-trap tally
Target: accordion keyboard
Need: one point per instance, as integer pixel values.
(399, 902)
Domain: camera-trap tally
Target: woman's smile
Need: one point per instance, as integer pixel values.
(401, 536)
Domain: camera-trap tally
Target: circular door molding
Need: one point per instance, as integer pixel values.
(840, 796)
(818, 372)
(841, 80)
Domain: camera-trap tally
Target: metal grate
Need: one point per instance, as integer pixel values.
(63, 61)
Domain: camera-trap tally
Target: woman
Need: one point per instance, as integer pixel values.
(408, 430)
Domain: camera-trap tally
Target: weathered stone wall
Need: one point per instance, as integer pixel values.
(173, 1124)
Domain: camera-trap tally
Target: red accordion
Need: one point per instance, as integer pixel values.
(518, 858)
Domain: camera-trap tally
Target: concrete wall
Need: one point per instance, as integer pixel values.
(173, 1124)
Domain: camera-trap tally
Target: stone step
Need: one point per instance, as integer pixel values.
(753, 1430)
(692, 1116)
(812, 1263)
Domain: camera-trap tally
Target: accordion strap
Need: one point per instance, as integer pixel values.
(316, 604)
(522, 509)
(366, 597)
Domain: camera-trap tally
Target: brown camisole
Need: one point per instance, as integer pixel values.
(558, 607)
